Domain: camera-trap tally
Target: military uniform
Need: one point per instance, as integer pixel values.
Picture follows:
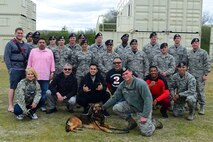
(185, 87)
(199, 65)
(179, 53)
(61, 56)
(121, 51)
(137, 62)
(165, 63)
(98, 51)
(27, 92)
(151, 51)
(83, 60)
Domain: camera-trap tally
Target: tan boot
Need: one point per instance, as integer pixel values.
(202, 111)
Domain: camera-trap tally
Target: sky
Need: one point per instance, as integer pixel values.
(78, 14)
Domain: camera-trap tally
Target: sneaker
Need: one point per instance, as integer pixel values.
(20, 117)
(34, 116)
(51, 111)
(43, 109)
(157, 123)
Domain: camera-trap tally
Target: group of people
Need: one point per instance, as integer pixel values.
(127, 78)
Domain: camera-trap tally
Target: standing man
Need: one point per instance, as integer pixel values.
(52, 41)
(137, 99)
(29, 38)
(15, 57)
(36, 37)
(62, 55)
(199, 66)
(183, 90)
(72, 45)
(42, 60)
(137, 60)
(159, 89)
(98, 47)
(152, 48)
(106, 60)
(178, 51)
(123, 47)
(165, 63)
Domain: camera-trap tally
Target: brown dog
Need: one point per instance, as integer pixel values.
(93, 120)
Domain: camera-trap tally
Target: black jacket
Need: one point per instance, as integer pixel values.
(92, 85)
(65, 86)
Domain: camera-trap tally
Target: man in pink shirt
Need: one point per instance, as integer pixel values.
(42, 60)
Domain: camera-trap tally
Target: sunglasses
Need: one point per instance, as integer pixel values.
(116, 63)
(67, 69)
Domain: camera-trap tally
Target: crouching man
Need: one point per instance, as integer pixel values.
(183, 91)
(63, 88)
(137, 99)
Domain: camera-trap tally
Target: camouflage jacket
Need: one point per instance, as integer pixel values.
(179, 53)
(27, 92)
(151, 51)
(97, 51)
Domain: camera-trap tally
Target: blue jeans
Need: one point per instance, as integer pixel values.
(44, 84)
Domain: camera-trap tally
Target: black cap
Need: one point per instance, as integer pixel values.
(125, 36)
(133, 40)
(195, 40)
(109, 42)
(29, 34)
(176, 35)
(125, 69)
(83, 41)
(153, 34)
(52, 38)
(61, 37)
(36, 34)
(82, 35)
(98, 34)
(72, 35)
(163, 45)
(182, 63)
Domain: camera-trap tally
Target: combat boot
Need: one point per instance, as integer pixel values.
(191, 114)
(131, 123)
(202, 111)
(157, 123)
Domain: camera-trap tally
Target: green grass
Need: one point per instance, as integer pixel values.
(50, 128)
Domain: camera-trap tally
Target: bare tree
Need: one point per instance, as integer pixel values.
(207, 18)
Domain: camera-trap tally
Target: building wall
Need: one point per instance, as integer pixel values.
(13, 14)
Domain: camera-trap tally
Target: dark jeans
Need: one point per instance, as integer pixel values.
(18, 110)
(85, 99)
(44, 84)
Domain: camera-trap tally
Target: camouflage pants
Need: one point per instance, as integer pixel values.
(179, 105)
(200, 85)
(123, 109)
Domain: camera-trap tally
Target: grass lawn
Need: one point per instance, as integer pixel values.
(51, 128)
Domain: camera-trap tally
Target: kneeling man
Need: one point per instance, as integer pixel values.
(183, 91)
(137, 99)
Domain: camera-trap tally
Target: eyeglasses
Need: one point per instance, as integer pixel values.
(116, 63)
(67, 69)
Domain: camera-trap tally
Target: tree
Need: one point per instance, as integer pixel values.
(207, 18)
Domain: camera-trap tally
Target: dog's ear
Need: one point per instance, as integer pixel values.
(91, 109)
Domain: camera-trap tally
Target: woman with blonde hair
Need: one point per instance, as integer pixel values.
(28, 95)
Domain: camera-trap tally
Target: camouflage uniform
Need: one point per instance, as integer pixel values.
(61, 56)
(185, 87)
(137, 62)
(165, 64)
(199, 65)
(83, 60)
(27, 92)
(52, 48)
(151, 51)
(106, 62)
(121, 51)
(97, 51)
(179, 53)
